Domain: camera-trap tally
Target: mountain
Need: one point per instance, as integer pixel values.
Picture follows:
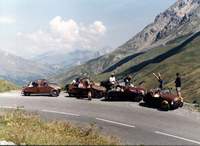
(66, 60)
(19, 70)
(168, 45)
(180, 20)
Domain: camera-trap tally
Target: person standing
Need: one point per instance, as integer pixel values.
(178, 84)
(160, 80)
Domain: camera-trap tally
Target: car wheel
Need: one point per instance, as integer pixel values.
(181, 104)
(54, 93)
(138, 98)
(108, 97)
(26, 94)
(165, 105)
(70, 95)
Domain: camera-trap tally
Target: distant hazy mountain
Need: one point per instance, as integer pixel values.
(19, 70)
(180, 20)
(66, 60)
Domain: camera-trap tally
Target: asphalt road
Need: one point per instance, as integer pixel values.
(132, 123)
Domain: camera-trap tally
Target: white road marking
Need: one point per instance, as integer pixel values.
(114, 122)
(63, 113)
(178, 137)
(10, 107)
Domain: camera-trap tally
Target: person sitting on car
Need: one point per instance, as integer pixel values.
(112, 79)
(76, 82)
(127, 81)
(35, 84)
(160, 80)
(81, 84)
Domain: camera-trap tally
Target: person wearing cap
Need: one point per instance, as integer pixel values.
(160, 80)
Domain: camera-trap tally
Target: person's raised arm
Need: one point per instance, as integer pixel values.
(156, 76)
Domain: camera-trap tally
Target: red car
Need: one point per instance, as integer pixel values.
(163, 99)
(41, 87)
(86, 91)
(126, 93)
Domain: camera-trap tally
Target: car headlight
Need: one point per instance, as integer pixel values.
(172, 103)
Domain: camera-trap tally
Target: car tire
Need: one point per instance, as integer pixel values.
(26, 94)
(165, 105)
(181, 104)
(70, 95)
(108, 97)
(54, 93)
(138, 98)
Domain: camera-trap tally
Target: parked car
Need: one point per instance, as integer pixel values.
(122, 92)
(41, 87)
(87, 90)
(126, 93)
(163, 99)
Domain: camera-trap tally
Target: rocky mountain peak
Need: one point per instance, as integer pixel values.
(183, 8)
(166, 23)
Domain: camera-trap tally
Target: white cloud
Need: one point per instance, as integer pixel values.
(7, 20)
(62, 35)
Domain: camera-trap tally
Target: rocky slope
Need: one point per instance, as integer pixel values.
(180, 20)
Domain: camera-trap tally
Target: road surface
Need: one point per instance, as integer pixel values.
(132, 123)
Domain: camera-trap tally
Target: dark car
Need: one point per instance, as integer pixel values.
(41, 87)
(87, 90)
(122, 92)
(126, 93)
(163, 99)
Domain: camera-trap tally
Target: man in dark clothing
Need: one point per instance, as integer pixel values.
(160, 80)
(178, 84)
(127, 80)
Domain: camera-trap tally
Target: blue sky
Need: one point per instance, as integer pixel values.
(118, 21)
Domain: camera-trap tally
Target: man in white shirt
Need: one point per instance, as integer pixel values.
(112, 79)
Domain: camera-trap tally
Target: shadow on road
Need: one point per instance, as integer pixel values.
(38, 95)
(143, 104)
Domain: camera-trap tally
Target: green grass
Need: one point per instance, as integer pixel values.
(25, 128)
(6, 86)
(186, 62)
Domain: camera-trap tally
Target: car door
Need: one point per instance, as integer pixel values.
(44, 88)
(33, 88)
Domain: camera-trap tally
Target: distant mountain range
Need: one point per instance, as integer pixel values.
(168, 45)
(66, 60)
(20, 71)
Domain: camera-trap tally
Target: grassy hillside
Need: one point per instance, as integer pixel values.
(6, 86)
(177, 56)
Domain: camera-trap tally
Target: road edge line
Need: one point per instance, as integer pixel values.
(178, 137)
